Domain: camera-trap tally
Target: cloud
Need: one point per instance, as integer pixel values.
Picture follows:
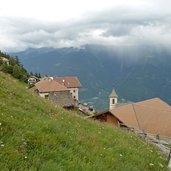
(123, 25)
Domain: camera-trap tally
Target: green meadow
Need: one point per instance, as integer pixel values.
(37, 135)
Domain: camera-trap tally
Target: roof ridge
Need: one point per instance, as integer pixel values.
(140, 105)
(136, 115)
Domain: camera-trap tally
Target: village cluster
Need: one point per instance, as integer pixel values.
(64, 91)
(152, 116)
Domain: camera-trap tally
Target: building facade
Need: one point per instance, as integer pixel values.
(72, 83)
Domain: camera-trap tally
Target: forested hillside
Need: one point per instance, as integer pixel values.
(13, 67)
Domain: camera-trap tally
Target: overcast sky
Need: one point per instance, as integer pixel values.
(65, 23)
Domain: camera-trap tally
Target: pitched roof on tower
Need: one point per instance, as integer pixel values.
(113, 94)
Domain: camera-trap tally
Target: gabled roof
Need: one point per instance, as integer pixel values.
(49, 85)
(153, 116)
(69, 82)
(126, 114)
(113, 94)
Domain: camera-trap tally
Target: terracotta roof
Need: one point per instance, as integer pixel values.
(156, 103)
(69, 82)
(49, 85)
(113, 94)
(153, 116)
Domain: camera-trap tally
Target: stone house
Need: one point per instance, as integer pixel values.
(52, 90)
(72, 83)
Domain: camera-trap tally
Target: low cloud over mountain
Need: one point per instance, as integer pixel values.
(142, 23)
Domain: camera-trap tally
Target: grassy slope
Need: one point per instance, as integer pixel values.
(37, 136)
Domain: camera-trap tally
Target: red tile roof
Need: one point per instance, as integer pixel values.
(49, 85)
(153, 116)
(69, 82)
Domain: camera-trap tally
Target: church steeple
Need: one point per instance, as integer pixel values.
(113, 99)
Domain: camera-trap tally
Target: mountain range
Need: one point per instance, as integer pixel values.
(136, 72)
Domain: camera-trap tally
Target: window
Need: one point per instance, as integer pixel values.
(74, 91)
(46, 96)
(74, 97)
(113, 101)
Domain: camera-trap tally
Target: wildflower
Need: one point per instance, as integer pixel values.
(151, 164)
(161, 165)
(120, 155)
(25, 157)
(0, 123)
(25, 143)
(2, 145)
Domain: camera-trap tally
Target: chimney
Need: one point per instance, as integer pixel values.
(63, 82)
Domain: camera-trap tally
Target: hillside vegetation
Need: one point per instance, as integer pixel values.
(14, 68)
(35, 135)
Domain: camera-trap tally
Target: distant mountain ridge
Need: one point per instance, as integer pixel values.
(137, 73)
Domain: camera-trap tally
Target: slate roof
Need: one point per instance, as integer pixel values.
(69, 82)
(63, 98)
(113, 94)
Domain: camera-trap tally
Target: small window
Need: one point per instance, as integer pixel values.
(113, 101)
(74, 97)
(74, 91)
(46, 96)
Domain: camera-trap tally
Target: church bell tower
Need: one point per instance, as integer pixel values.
(113, 99)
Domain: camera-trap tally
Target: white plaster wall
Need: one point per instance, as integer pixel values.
(43, 94)
(111, 105)
(74, 92)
